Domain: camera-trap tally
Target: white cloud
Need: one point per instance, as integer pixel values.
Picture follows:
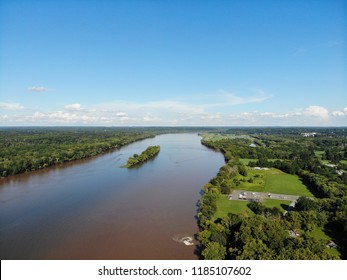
(121, 114)
(227, 99)
(340, 113)
(233, 99)
(246, 115)
(150, 118)
(163, 107)
(173, 110)
(58, 117)
(73, 107)
(10, 106)
(267, 114)
(318, 112)
(38, 88)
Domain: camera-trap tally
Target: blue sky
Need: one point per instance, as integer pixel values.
(151, 62)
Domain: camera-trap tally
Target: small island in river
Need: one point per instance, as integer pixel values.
(147, 154)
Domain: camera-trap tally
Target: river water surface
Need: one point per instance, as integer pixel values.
(93, 209)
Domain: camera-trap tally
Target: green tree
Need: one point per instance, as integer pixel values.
(214, 251)
(243, 170)
(256, 250)
(305, 204)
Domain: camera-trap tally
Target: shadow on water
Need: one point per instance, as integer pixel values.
(198, 247)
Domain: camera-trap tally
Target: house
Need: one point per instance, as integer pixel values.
(309, 134)
(294, 233)
(260, 168)
(331, 244)
(339, 172)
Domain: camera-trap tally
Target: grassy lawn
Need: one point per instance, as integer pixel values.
(245, 161)
(319, 153)
(225, 206)
(273, 181)
(280, 204)
(286, 184)
(318, 233)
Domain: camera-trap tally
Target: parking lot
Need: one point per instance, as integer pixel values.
(259, 196)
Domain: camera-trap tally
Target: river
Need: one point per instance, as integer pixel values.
(93, 209)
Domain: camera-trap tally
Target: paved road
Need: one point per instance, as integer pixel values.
(259, 196)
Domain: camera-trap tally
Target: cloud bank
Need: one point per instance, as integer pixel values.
(10, 106)
(166, 113)
(73, 107)
(221, 109)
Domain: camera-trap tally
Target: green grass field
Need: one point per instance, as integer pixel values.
(318, 233)
(273, 181)
(319, 153)
(245, 161)
(280, 204)
(225, 206)
(286, 184)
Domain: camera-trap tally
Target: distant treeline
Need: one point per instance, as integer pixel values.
(24, 149)
(28, 149)
(147, 154)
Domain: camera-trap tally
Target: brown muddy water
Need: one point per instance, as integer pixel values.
(93, 209)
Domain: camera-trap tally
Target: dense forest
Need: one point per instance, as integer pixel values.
(24, 149)
(146, 155)
(317, 156)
